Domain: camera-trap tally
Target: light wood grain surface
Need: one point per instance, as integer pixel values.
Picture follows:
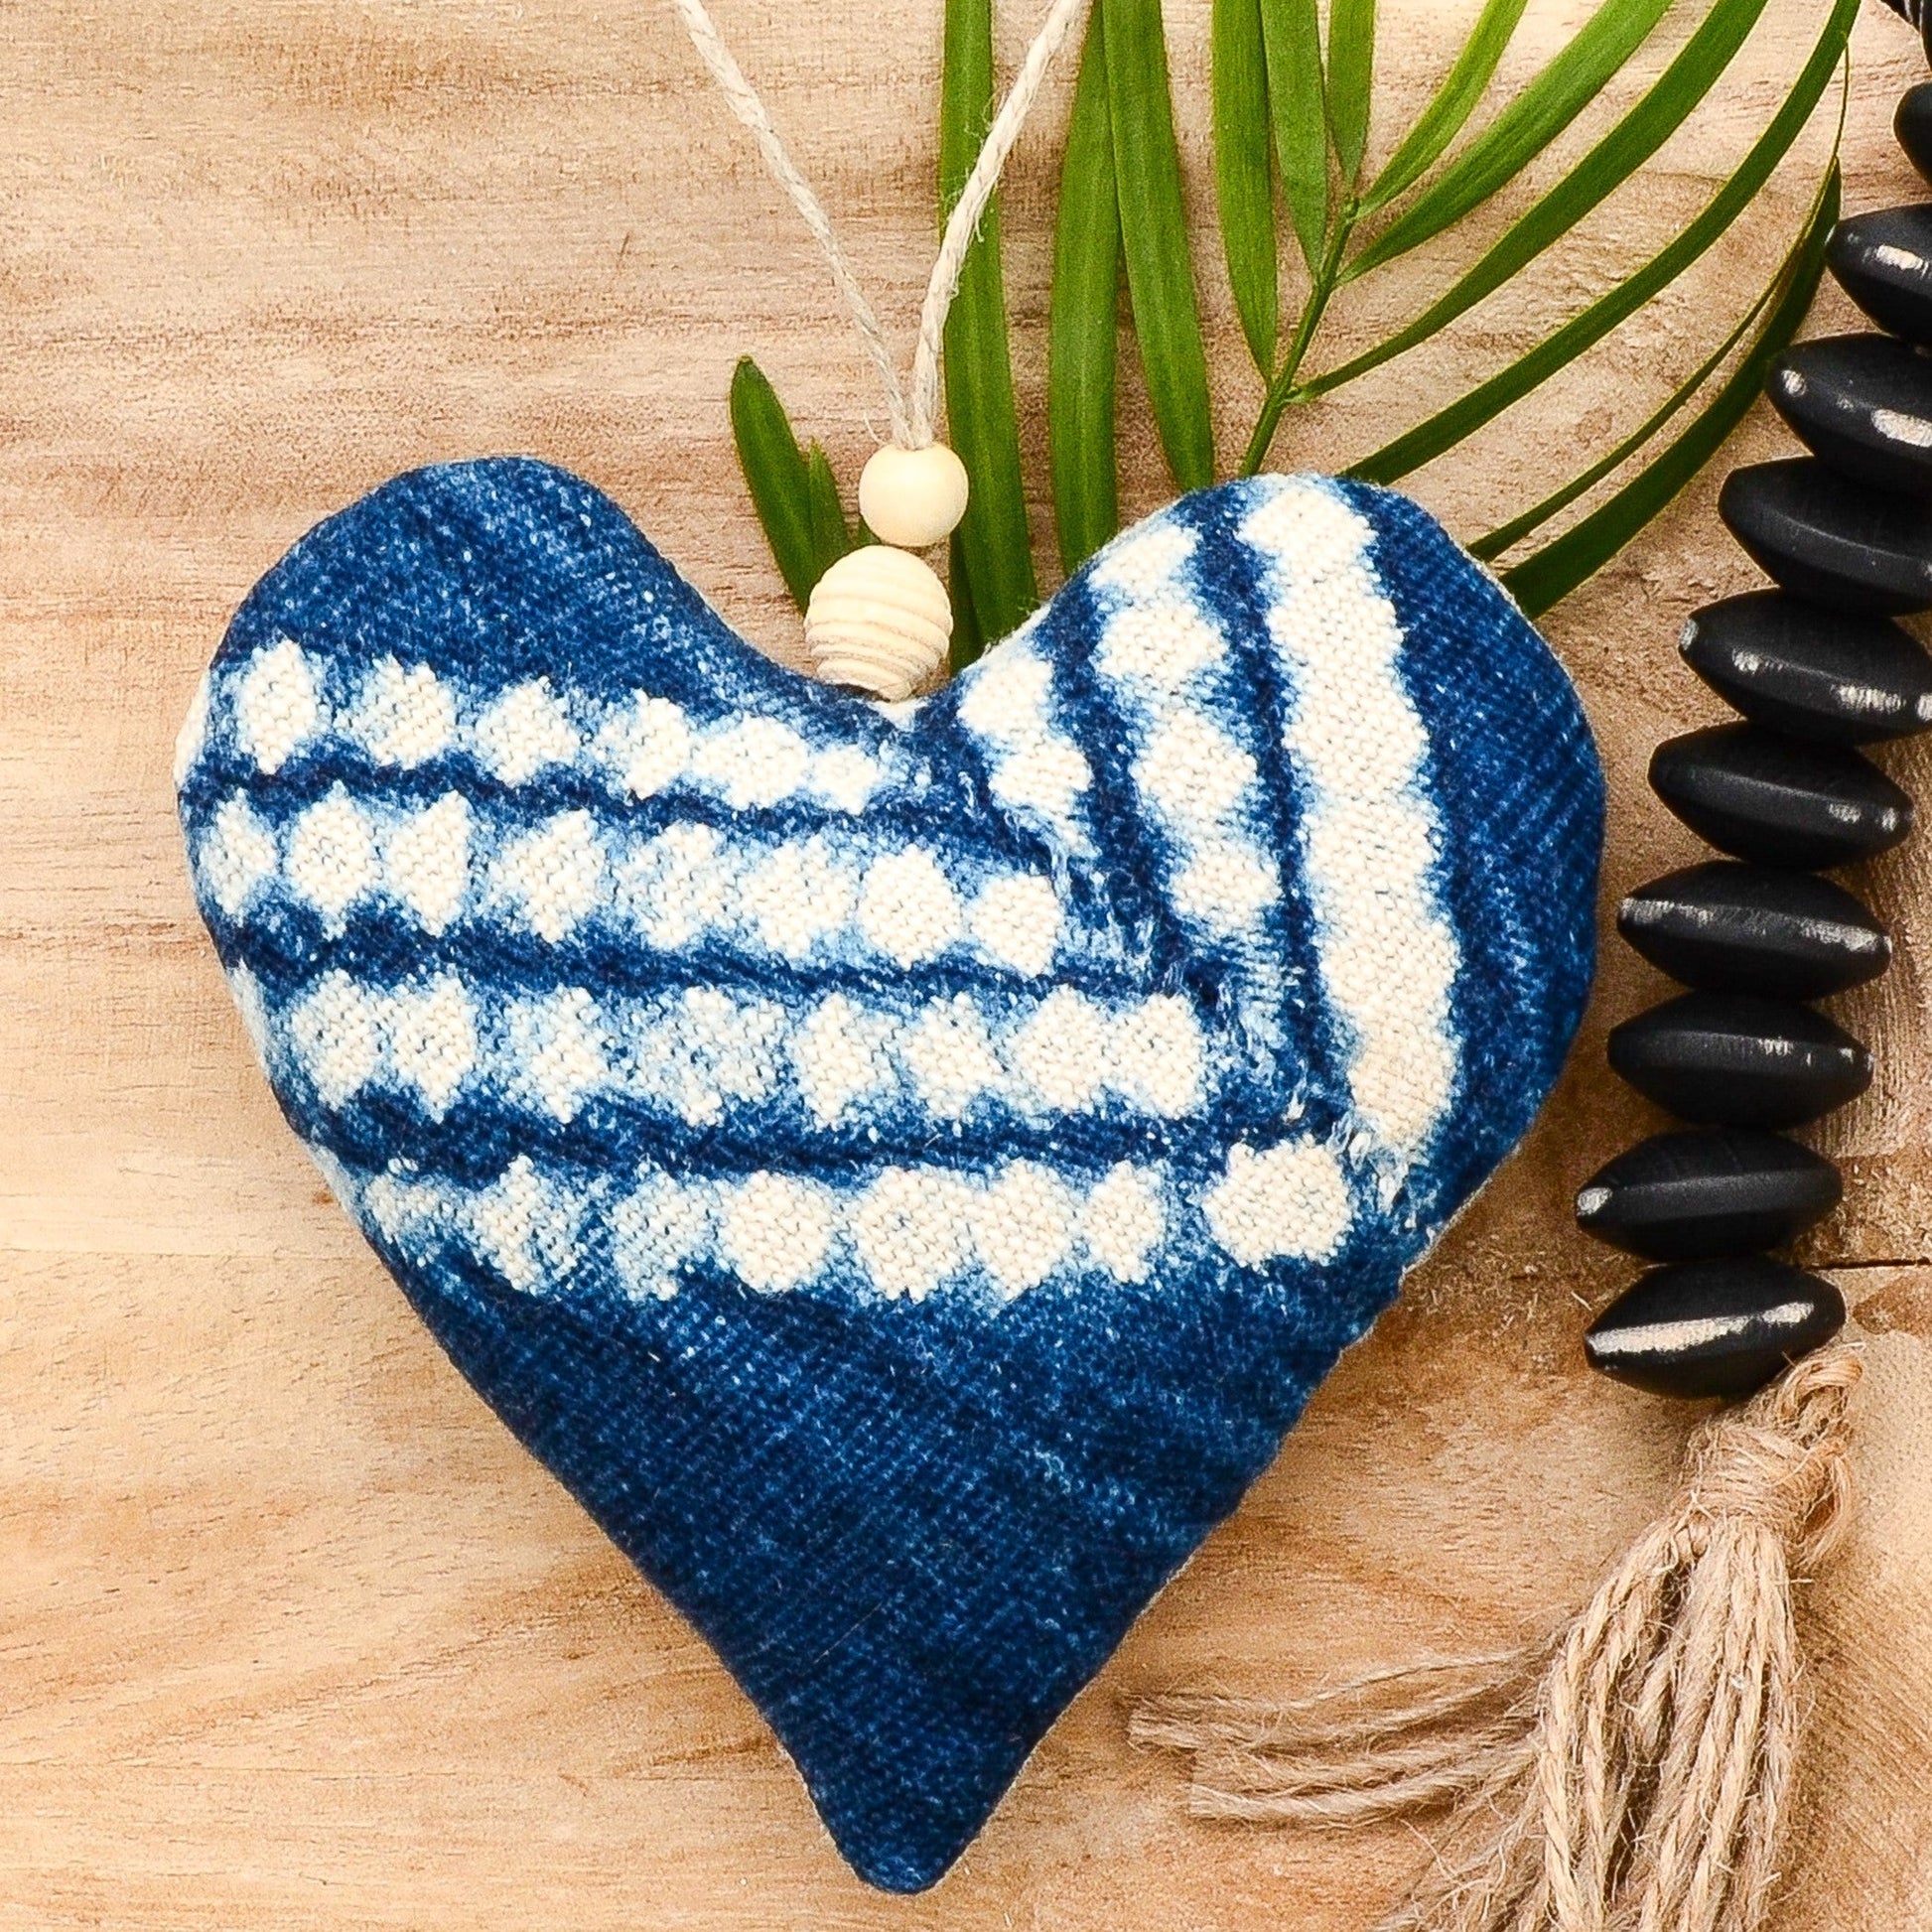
(294, 1634)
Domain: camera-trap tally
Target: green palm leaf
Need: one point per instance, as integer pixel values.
(1122, 206)
(995, 544)
(1454, 101)
(1556, 569)
(1154, 238)
(1244, 175)
(1352, 79)
(1641, 132)
(969, 639)
(1084, 319)
(1523, 129)
(1506, 536)
(1487, 400)
(1292, 39)
(831, 533)
(778, 475)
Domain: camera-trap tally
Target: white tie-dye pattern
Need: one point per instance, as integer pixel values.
(811, 898)
(704, 1054)
(915, 1230)
(533, 733)
(1162, 658)
(1386, 951)
(805, 901)
(277, 705)
(1034, 770)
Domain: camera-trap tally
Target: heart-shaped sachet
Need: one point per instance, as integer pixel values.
(904, 1168)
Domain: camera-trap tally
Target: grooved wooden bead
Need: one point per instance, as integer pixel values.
(1832, 679)
(1763, 797)
(1755, 929)
(1713, 1328)
(1708, 1190)
(1735, 1059)
(1863, 404)
(879, 622)
(912, 498)
(1840, 544)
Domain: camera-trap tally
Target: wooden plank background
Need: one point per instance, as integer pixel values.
(294, 1635)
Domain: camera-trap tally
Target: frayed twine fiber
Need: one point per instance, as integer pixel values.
(1632, 1774)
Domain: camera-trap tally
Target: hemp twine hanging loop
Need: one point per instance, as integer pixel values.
(1632, 1774)
(879, 620)
(914, 409)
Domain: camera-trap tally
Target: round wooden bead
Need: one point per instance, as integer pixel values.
(1835, 680)
(912, 498)
(1762, 797)
(879, 622)
(1708, 1190)
(1755, 929)
(1883, 262)
(1713, 1328)
(1735, 1059)
(1862, 403)
(1840, 544)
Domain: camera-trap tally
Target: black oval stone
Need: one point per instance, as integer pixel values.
(1735, 1060)
(1913, 126)
(1739, 928)
(1711, 1190)
(1862, 403)
(1883, 262)
(1835, 680)
(1775, 802)
(1713, 1328)
(1840, 544)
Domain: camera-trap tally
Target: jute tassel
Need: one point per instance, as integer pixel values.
(1632, 1774)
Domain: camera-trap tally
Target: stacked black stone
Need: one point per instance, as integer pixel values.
(1818, 669)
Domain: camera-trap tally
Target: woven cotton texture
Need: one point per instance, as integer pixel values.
(902, 1168)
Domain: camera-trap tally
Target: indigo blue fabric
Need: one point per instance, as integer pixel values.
(902, 1168)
